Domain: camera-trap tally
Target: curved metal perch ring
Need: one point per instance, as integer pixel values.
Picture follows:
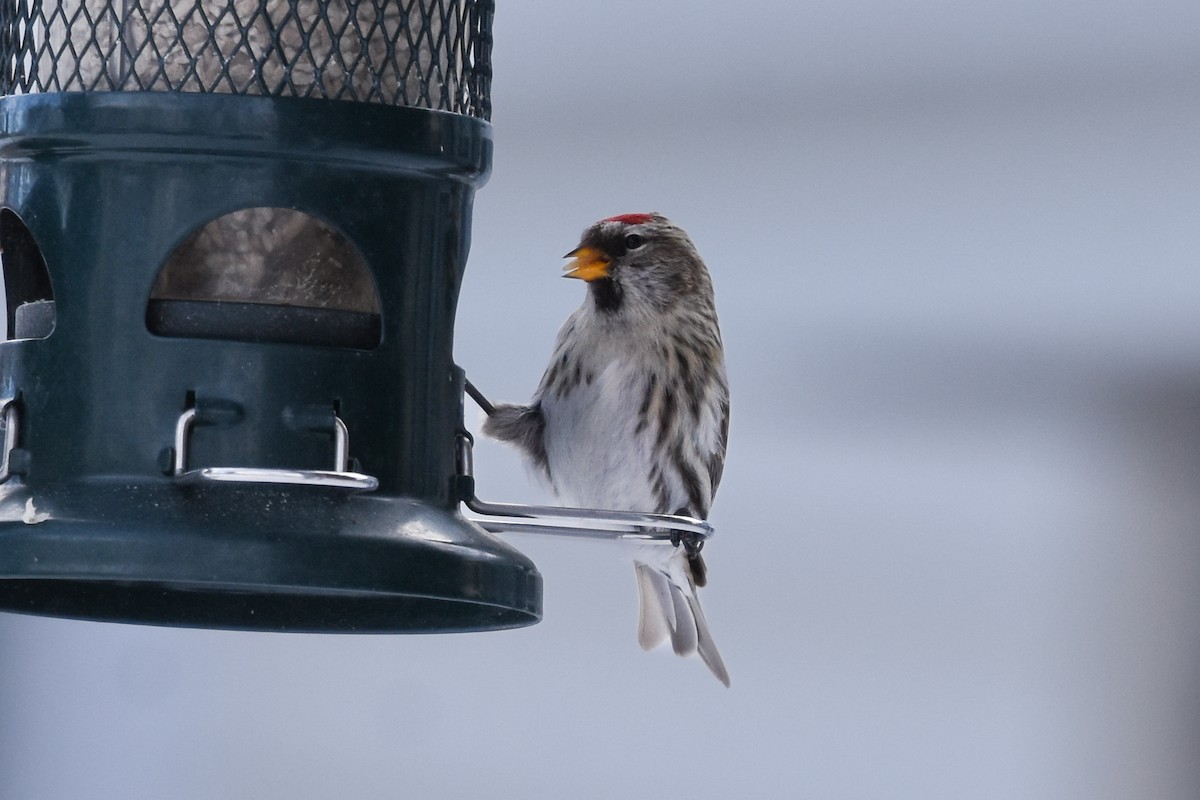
(588, 523)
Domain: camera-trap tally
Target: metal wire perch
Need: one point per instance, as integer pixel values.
(586, 523)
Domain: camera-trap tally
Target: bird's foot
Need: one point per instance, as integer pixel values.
(692, 543)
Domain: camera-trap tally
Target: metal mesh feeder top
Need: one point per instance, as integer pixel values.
(432, 54)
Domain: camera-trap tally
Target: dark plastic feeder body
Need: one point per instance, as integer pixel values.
(231, 400)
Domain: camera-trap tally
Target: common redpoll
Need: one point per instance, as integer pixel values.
(633, 412)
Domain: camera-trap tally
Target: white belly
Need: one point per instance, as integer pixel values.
(597, 457)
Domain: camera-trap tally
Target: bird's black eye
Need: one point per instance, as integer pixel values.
(633, 241)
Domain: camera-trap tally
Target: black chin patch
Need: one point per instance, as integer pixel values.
(607, 294)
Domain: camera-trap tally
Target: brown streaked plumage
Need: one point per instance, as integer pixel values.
(633, 411)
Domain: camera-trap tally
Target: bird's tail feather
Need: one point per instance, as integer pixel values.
(654, 601)
(669, 609)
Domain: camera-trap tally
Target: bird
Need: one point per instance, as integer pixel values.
(632, 413)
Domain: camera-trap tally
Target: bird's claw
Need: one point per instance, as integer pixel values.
(692, 543)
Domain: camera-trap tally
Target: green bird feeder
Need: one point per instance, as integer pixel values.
(233, 234)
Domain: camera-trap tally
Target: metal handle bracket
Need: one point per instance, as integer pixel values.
(8, 409)
(337, 478)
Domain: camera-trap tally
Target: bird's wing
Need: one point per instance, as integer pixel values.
(716, 459)
(556, 370)
(523, 426)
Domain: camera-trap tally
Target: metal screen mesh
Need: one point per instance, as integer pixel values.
(424, 53)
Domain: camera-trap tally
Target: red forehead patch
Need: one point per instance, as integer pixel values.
(631, 219)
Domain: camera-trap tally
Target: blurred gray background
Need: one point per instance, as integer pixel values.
(958, 555)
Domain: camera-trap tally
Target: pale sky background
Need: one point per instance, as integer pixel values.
(956, 254)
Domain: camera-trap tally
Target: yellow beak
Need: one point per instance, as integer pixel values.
(589, 264)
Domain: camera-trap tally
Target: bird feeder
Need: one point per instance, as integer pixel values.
(233, 233)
